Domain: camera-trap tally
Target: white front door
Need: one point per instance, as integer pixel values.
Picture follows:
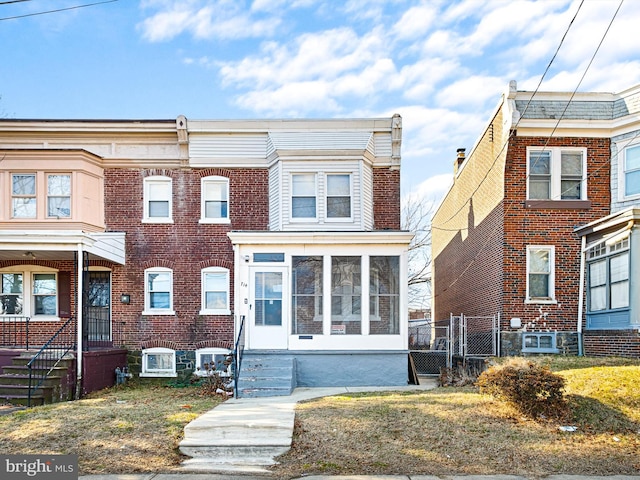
(269, 314)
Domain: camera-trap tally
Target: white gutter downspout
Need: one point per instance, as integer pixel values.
(79, 320)
(583, 255)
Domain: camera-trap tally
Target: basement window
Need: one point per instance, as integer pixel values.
(158, 362)
(544, 342)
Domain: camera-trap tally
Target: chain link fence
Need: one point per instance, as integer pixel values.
(429, 347)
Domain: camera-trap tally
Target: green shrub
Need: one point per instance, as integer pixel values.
(530, 387)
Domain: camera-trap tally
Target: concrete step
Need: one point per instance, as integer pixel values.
(266, 376)
(21, 379)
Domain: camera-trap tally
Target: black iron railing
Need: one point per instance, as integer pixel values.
(238, 350)
(97, 329)
(14, 331)
(50, 355)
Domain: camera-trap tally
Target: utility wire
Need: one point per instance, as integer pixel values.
(490, 236)
(54, 11)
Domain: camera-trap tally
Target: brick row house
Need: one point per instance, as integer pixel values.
(168, 242)
(540, 226)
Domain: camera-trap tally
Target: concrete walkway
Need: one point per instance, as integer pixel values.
(245, 435)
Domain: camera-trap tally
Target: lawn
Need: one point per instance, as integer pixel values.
(458, 431)
(448, 430)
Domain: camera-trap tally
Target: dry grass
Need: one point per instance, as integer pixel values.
(441, 432)
(128, 429)
(458, 431)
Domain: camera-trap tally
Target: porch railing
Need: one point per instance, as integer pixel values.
(14, 332)
(238, 350)
(50, 355)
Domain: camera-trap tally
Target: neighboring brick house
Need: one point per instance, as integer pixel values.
(181, 231)
(522, 232)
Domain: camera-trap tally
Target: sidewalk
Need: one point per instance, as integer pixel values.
(208, 476)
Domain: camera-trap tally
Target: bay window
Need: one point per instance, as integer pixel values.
(338, 196)
(23, 195)
(303, 195)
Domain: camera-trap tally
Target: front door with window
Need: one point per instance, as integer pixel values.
(97, 322)
(269, 311)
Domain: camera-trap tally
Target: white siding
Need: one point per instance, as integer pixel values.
(382, 144)
(275, 198)
(203, 148)
(331, 140)
(367, 197)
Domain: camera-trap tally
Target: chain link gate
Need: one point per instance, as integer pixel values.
(474, 336)
(430, 347)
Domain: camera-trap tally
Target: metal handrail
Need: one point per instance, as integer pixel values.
(238, 350)
(14, 331)
(50, 355)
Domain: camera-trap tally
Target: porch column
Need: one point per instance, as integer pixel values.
(79, 319)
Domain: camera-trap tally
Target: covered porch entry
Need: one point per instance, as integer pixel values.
(55, 304)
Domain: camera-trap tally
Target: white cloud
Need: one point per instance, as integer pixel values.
(472, 91)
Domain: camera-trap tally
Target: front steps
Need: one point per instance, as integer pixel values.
(14, 382)
(242, 436)
(266, 375)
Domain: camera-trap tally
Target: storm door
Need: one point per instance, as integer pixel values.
(97, 321)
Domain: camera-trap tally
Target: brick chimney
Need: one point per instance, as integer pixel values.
(459, 160)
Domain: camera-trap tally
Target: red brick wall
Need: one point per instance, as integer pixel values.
(185, 246)
(603, 343)
(543, 226)
(386, 199)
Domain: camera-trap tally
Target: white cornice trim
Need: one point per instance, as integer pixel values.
(320, 238)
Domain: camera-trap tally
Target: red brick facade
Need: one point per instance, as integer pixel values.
(549, 226)
(185, 246)
(386, 199)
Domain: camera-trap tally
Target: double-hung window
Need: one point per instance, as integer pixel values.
(338, 195)
(214, 200)
(303, 195)
(59, 195)
(632, 171)
(158, 291)
(23, 195)
(215, 291)
(157, 199)
(608, 276)
(556, 173)
(30, 291)
(540, 274)
(11, 295)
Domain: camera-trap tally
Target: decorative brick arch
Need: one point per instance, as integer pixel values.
(216, 262)
(217, 172)
(157, 172)
(159, 344)
(158, 263)
(214, 344)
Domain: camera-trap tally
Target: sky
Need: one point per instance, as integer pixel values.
(441, 64)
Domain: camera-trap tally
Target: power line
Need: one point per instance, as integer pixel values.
(490, 236)
(14, 1)
(54, 11)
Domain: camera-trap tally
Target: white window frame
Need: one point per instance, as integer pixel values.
(348, 218)
(52, 196)
(605, 252)
(214, 311)
(24, 196)
(551, 298)
(28, 273)
(147, 293)
(201, 372)
(622, 177)
(555, 193)
(158, 181)
(315, 196)
(213, 180)
(158, 372)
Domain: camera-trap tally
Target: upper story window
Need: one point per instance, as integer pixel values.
(632, 171)
(540, 274)
(158, 291)
(556, 173)
(608, 276)
(338, 195)
(59, 195)
(303, 195)
(157, 199)
(214, 200)
(23, 195)
(215, 291)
